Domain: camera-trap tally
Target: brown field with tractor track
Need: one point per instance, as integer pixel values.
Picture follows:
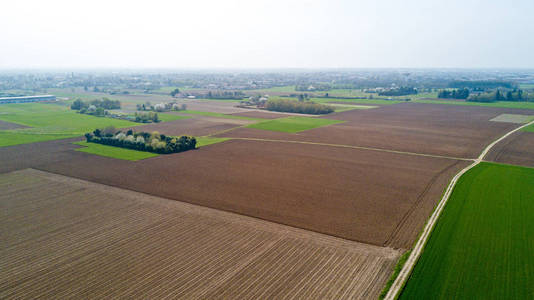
(518, 149)
(64, 238)
(448, 130)
(368, 196)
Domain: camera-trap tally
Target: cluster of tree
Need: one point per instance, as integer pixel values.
(401, 91)
(148, 117)
(237, 95)
(161, 107)
(301, 107)
(141, 141)
(498, 95)
(481, 85)
(175, 92)
(313, 87)
(104, 103)
(454, 94)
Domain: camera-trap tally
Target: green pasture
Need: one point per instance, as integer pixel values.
(207, 140)
(217, 115)
(49, 122)
(114, 152)
(483, 244)
(293, 124)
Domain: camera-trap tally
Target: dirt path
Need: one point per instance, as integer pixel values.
(399, 282)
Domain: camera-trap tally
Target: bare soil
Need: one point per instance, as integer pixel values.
(367, 196)
(8, 125)
(447, 130)
(260, 114)
(517, 149)
(64, 238)
(193, 126)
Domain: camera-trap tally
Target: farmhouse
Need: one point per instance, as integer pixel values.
(26, 99)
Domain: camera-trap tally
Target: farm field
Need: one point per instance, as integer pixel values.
(518, 149)
(114, 152)
(113, 243)
(500, 104)
(195, 126)
(293, 124)
(374, 197)
(481, 247)
(454, 131)
(49, 122)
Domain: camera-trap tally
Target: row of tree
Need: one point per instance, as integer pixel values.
(498, 95)
(454, 94)
(104, 103)
(401, 91)
(141, 141)
(301, 107)
(161, 107)
(313, 87)
(148, 117)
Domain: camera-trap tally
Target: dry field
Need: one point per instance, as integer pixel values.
(66, 238)
(517, 149)
(9, 126)
(448, 130)
(196, 126)
(261, 114)
(368, 196)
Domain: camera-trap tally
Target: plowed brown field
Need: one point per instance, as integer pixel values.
(8, 125)
(517, 149)
(367, 196)
(260, 114)
(457, 131)
(66, 238)
(198, 126)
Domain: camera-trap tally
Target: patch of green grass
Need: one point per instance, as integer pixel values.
(398, 267)
(11, 138)
(277, 89)
(114, 152)
(217, 115)
(206, 140)
(55, 119)
(293, 124)
(49, 122)
(482, 246)
(503, 104)
(167, 117)
(529, 128)
(358, 101)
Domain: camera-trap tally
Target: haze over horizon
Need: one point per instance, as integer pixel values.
(267, 34)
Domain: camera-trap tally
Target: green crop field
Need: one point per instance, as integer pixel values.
(49, 122)
(167, 117)
(114, 152)
(483, 244)
(502, 104)
(293, 124)
(529, 128)
(207, 140)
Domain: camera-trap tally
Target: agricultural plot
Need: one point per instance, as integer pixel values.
(293, 124)
(517, 149)
(497, 104)
(198, 126)
(482, 245)
(453, 131)
(48, 122)
(113, 243)
(368, 196)
(513, 118)
(113, 152)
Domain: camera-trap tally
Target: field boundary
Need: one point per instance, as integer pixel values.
(352, 147)
(407, 269)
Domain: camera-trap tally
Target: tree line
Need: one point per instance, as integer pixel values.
(141, 141)
(401, 91)
(301, 107)
(454, 94)
(498, 95)
(103, 103)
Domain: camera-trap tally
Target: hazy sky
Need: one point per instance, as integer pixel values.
(266, 34)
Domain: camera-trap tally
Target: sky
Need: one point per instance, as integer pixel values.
(267, 34)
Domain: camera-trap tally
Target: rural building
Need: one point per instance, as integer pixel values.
(25, 99)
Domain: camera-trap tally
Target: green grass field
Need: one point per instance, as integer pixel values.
(483, 244)
(293, 124)
(206, 140)
(529, 128)
(167, 117)
(502, 104)
(49, 122)
(114, 152)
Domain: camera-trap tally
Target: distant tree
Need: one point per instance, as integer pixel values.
(175, 92)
